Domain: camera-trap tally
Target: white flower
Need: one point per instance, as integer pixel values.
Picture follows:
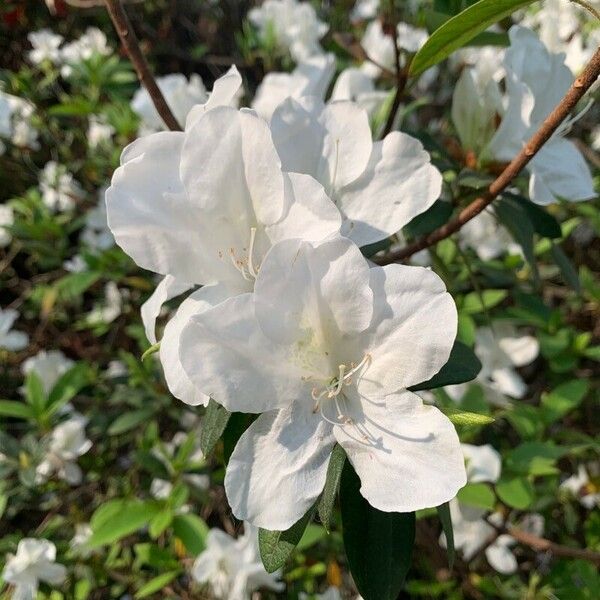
(379, 47)
(48, 366)
(67, 443)
(377, 186)
(34, 561)
(411, 38)
(15, 121)
(7, 217)
(500, 349)
(109, 309)
(99, 131)
(295, 26)
(331, 593)
(161, 489)
(310, 78)
(581, 487)
(76, 264)
(536, 81)
(364, 10)
(483, 463)
(325, 348)
(79, 542)
(59, 189)
(9, 339)
(45, 46)
(232, 567)
(487, 237)
(96, 234)
(180, 94)
(93, 41)
(355, 85)
(203, 207)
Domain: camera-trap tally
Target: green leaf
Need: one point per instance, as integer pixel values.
(543, 222)
(156, 584)
(475, 302)
(122, 518)
(237, 424)
(461, 29)
(479, 495)
(515, 219)
(444, 516)
(566, 267)
(517, 492)
(213, 426)
(192, 531)
(67, 387)
(461, 417)
(17, 410)
(277, 546)
(129, 420)
(534, 458)
(332, 484)
(34, 393)
(378, 544)
(462, 366)
(563, 399)
(160, 522)
(435, 216)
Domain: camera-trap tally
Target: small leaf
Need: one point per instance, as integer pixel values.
(462, 366)
(543, 222)
(563, 399)
(461, 29)
(332, 484)
(129, 420)
(213, 426)
(17, 410)
(378, 544)
(479, 495)
(515, 219)
(517, 492)
(192, 531)
(444, 516)
(468, 418)
(277, 546)
(160, 522)
(156, 584)
(475, 302)
(566, 267)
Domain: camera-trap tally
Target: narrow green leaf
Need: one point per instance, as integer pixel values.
(566, 267)
(514, 217)
(446, 521)
(236, 425)
(34, 393)
(461, 29)
(156, 584)
(129, 420)
(543, 222)
(462, 366)
(378, 544)
(213, 426)
(18, 410)
(67, 387)
(332, 484)
(460, 417)
(277, 546)
(160, 522)
(192, 531)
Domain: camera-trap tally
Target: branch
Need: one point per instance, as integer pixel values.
(132, 47)
(530, 149)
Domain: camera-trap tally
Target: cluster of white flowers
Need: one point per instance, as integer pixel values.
(294, 25)
(535, 81)
(48, 366)
(15, 122)
(46, 47)
(60, 190)
(472, 532)
(10, 339)
(292, 321)
(232, 568)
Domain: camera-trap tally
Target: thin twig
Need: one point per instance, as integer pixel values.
(354, 49)
(132, 47)
(580, 86)
(587, 7)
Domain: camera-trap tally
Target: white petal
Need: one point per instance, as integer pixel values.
(177, 381)
(226, 355)
(14, 341)
(168, 288)
(279, 467)
(500, 556)
(559, 170)
(509, 382)
(413, 329)
(407, 454)
(483, 463)
(398, 184)
(521, 349)
(316, 292)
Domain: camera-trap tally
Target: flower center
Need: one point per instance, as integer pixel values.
(334, 390)
(245, 265)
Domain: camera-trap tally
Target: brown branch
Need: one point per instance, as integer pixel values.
(540, 137)
(132, 47)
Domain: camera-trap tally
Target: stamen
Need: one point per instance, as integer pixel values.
(251, 269)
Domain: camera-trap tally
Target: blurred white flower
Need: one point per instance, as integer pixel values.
(483, 463)
(180, 94)
(331, 593)
(75, 264)
(161, 489)
(34, 561)
(310, 78)
(379, 47)
(67, 443)
(581, 487)
(109, 308)
(364, 10)
(96, 234)
(15, 121)
(45, 46)
(294, 24)
(116, 368)
(48, 366)
(355, 85)
(99, 131)
(487, 237)
(7, 218)
(232, 568)
(9, 339)
(79, 542)
(59, 189)
(411, 38)
(93, 41)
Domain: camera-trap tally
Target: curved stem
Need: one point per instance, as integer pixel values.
(580, 86)
(132, 47)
